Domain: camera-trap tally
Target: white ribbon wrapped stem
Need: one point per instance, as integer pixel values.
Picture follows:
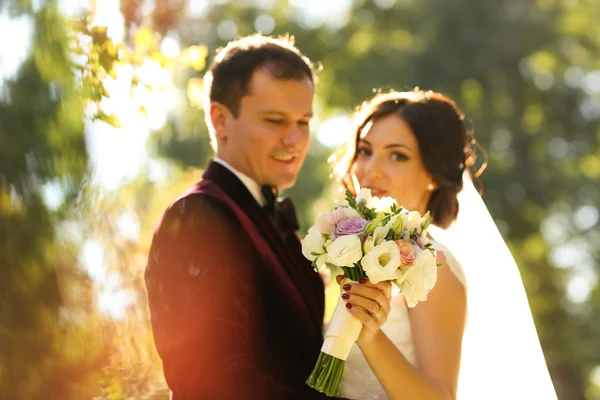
(342, 332)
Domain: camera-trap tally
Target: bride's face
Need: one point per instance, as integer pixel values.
(388, 161)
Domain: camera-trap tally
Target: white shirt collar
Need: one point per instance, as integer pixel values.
(251, 185)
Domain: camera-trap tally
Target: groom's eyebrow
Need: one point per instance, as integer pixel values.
(282, 114)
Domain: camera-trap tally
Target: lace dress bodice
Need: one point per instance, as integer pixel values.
(359, 382)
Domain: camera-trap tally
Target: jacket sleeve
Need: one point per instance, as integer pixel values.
(199, 282)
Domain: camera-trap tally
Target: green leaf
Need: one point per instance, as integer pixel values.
(350, 199)
(397, 226)
(374, 223)
(426, 220)
(112, 120)
(99, 34)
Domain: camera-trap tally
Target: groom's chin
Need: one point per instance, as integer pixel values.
(285, 182)
(286, 185)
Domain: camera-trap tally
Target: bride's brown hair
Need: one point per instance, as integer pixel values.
(447, 147)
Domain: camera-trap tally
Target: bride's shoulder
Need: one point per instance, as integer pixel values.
(447, 259)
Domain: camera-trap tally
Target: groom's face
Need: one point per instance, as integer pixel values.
(269, 139)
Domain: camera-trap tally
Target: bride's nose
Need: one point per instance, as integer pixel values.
(373, 168)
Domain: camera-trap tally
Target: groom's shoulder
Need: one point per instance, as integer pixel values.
(197, 204)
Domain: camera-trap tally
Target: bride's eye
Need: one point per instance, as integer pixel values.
(396, 156)
(363, 152)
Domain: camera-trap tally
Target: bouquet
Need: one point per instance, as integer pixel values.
(373, 238)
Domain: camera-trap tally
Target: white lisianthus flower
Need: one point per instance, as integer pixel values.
(321, 260)
(383, 204)
(313, 242)
(412, 220)
(345, 251)
(417, 281)
(381, 263)
(379, 234)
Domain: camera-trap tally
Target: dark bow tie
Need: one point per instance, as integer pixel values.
(281, 210)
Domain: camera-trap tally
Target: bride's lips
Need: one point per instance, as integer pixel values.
(375, 191)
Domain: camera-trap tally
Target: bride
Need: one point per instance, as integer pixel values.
(479, 343)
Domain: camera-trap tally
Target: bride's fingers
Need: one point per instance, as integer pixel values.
(369, 298)
(369, 321)
(368, 306)
(384, 287)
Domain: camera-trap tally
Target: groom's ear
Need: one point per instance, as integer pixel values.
(219, 115)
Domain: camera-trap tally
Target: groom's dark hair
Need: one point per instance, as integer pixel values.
(227, 79)
(447, 147)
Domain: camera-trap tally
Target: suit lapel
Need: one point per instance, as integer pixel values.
(236, 190)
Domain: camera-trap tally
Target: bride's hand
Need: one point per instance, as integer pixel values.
(368, 302)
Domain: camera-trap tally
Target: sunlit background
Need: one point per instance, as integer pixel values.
(101, 127)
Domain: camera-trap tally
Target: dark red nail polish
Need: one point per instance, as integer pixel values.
(363, 280)
(348, 305)
(345, 296)
(346, 287)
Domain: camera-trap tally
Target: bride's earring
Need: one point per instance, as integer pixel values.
(430, 187)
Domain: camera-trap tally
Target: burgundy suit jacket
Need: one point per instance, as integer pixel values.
(236, 309)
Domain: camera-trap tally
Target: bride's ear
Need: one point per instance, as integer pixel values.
(432, 186)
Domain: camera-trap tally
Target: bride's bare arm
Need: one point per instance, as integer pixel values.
(437, 328)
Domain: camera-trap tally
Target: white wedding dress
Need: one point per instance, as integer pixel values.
(359, 382)
(501, 353)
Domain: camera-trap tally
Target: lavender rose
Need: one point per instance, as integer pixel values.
(349, 226)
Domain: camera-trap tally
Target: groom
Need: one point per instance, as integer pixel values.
(236, 309)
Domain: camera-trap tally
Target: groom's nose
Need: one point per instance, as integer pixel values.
(292, 137)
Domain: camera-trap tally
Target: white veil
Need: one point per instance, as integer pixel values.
(501, 356)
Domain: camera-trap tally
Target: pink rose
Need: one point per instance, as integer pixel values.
(349, 226)
(324, 222)
(408, 255)
(327, 222)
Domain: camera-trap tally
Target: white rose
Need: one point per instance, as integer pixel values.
(412, 220)
(382, 262)
(313, 242)
(364, 195)
(417, 281)
(345, 251)
(383, 204)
